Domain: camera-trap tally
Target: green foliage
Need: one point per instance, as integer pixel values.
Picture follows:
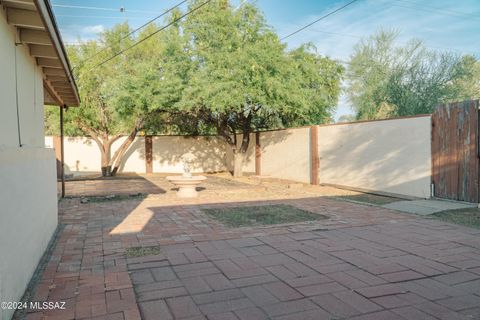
(385, 80)
(469, 217)
(134, 89)
(244, 78)
(218, 70)
(346, 118)
(262, 215)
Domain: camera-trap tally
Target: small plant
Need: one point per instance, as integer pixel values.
(113, 197)
(369, 198)
(134, 252)
(469, 217)
(262, 215)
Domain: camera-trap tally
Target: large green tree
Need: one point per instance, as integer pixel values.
(386, 80)
(134, 91)
(243, 78)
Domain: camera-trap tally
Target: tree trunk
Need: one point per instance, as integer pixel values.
(118, 156)
(238, 159)
(105, 152)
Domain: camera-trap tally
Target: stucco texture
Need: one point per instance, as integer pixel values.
(28, 216)
(391, 156)
(286, 154)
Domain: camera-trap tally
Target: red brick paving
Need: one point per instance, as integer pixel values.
(363, 263)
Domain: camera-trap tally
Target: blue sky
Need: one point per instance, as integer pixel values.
(441, 24)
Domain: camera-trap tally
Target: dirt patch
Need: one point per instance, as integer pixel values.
(261, 215)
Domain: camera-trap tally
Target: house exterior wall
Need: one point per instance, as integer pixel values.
(29, 91)
(391, 156)
(28, 216)
(28, 197)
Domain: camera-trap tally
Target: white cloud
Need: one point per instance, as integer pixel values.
(75, 33)
(93, 29)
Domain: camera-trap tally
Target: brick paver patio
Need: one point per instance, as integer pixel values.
(363, 263)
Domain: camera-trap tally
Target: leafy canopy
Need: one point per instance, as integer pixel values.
(136, 89)
(243, 77)
(385, 80)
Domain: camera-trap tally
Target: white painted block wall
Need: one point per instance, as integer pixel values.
(390, 156)
(28, 195)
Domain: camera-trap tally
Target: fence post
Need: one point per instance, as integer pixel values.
(258, 155)
(57, 145)
(148, 154)
(314, 159)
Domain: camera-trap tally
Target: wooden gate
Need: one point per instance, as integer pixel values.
(455, 151)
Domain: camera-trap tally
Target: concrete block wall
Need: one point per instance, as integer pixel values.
(391, 156)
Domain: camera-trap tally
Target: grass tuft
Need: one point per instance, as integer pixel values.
(368, 198)
(261, 215)
(469, 217)
(113, 197)
(135, 252)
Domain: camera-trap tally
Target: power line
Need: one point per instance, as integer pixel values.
(120, 9)
(415, 5)
(135, 30)
(319, 19)
(96, 17)
(150, 35)
(435, 48)
(83, 7)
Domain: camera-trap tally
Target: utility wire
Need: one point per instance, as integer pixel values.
(135, 30)
(121, 9)
(420, 6)
(149, 36)
(319, 19)
(435, 48)
(97, 17)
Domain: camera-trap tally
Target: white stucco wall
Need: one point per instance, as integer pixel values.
(390, 156)
(28, 216)
(28, 191)
(83, 156)
(134, 160)
(286, 154)
(8, 118)
(249, 160)
(204, 154)
(20, 77)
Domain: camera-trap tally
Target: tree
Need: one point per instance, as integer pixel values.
(121, 97)
(385, 80)
(243, 78)
(346, 118)
(469, 86)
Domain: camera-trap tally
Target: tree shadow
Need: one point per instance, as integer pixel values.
(354, 157)
(121, 185)
(201, 154)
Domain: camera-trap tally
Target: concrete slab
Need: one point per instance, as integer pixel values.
(426, 207)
